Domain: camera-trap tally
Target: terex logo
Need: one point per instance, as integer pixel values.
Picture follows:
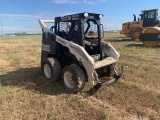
(158, 36)
(66, 18)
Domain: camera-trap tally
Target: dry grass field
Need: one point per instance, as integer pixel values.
(26, 95)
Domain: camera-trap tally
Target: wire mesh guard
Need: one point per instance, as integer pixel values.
(63, 27)
(73, 32)
(91, 29)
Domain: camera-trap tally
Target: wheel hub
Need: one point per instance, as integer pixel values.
(47, 71)
(136, 35)
(68, 79)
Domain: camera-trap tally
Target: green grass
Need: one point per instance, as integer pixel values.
(19, 37)
(25, 94)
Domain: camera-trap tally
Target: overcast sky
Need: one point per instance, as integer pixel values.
(23, 15)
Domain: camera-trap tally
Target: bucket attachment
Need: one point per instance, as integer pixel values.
(102, 84)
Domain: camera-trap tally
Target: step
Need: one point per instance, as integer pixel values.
(105, 62)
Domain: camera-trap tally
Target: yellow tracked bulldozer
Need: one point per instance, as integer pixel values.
(146, 28)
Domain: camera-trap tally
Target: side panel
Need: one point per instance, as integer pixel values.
(109, 51)
(125, 29)
(129, 26)
(48, 45)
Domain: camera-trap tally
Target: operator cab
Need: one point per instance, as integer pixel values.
(150, 17)
(83, 29)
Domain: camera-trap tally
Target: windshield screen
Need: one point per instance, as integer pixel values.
(91, 29)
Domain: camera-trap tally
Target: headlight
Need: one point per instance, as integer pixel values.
(85, 14)
(100, 16)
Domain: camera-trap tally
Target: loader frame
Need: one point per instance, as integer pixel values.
(53, 42)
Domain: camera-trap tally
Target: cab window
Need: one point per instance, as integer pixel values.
(149, 15)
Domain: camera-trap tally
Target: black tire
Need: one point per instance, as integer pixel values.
(51, 69)
(135, 34)
(73, 78)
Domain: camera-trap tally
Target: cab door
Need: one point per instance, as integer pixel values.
(149, 18)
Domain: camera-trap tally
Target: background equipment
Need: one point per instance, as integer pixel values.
(148, 23)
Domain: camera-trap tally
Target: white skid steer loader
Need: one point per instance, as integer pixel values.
(72, 51)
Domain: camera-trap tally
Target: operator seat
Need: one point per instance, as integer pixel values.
(73, 35)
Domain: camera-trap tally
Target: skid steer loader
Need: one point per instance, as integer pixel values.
(72, 51)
